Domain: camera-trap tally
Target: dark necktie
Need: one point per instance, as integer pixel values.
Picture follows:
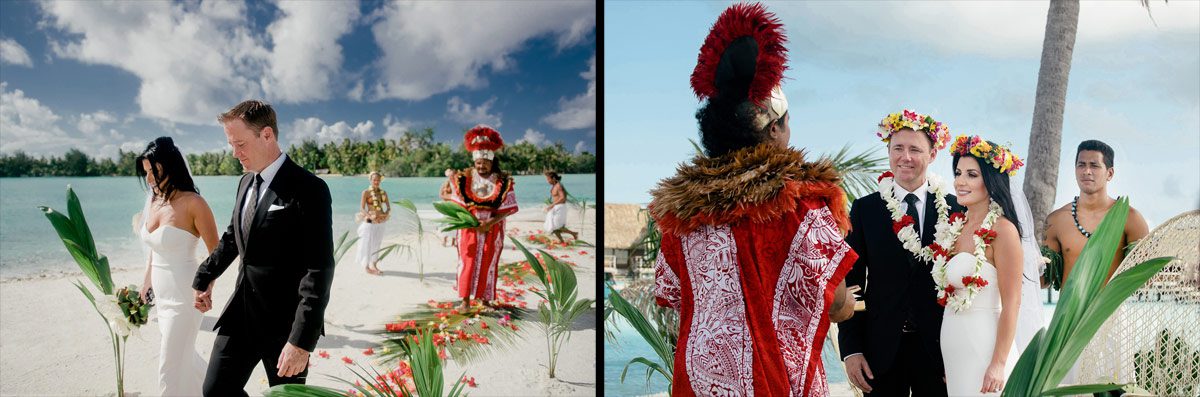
(911, 199)
(248, 214)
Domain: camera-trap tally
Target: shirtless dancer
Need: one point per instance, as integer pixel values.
(1069, 227)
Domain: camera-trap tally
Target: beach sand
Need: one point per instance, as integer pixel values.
(53, 343)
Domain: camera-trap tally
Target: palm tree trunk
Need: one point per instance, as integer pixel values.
(1045, 138)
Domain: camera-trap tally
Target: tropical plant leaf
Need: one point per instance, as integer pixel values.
(651, 368)
(858, 172)
(1081, 389)
(343, 246)
(81, 227)
(1019, 381)
(303, 391)
(664, 349)
(499, 337)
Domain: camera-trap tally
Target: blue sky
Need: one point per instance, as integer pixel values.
(103, 76)
(973, 65)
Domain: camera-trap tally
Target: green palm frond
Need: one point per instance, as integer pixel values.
(1085, 304)
(562, 305)
(858, 171)
(500, 337)
(663, 346)
(343, 246)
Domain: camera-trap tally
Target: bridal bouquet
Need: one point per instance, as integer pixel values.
(121, 310)
(456, 218)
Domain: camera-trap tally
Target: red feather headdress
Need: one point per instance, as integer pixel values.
(766, 31)
(483, 141)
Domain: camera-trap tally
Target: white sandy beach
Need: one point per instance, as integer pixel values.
(53, 343)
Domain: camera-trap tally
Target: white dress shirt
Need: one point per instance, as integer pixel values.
(900, 193)
(267, 175)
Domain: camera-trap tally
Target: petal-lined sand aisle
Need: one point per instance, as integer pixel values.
(53, 343)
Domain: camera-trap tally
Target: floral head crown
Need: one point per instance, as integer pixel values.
(998, 156)
(938, 133)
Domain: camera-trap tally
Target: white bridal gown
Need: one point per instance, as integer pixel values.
(180, 368)
(968, 337)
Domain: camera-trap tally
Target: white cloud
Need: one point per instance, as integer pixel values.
(315, 129)
(356, 93)
(27, 125)
(459, 110)
(12, 53)
(193, 62)
(1003, 29)
(395, 128)
(431, 47)
(89, 123)
(581, 147)
(306, 58)
(534, 137)
(580, 111)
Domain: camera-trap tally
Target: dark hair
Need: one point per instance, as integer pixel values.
(553, 175)
(170, 170)
(997, 186)
(257, 115)
(726, 126)
(1097, 146)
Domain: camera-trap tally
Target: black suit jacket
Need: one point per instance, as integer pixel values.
(287, 261)
(896, 285)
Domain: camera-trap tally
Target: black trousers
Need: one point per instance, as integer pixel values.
(913, 373)
(233, 359)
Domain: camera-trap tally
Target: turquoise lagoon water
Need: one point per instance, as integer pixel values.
(29, 245)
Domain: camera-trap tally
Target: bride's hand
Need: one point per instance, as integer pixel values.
(993, 379)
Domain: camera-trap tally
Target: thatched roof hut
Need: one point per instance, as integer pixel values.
(624, 228)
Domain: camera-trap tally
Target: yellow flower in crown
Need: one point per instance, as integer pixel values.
(938, 132)
(999, 157)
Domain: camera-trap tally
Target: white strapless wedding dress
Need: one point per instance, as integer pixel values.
(180, 368)
(969, 337)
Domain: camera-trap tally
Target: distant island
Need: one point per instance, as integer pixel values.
(414, 154)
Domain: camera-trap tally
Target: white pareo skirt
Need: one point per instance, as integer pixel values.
(370, 237)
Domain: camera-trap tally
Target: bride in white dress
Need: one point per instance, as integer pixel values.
(172, 222)
(980, 320)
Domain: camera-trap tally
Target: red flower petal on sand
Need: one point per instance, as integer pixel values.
(469, 381)
(369, 351)
(323, 354)
(347, 360)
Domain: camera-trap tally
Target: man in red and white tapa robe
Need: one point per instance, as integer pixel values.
(488, 194)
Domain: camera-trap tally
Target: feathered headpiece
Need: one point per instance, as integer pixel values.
(483, 141)
(743, 60)
(1000, 157)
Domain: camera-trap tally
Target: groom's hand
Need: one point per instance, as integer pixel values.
(292, 361)
(203, 301)
(858, 371)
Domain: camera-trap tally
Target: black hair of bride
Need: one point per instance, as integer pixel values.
(170, 170)
(997, 186)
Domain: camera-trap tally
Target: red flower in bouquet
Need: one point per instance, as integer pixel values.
(987, 235)
(886, 174)
(904, 222)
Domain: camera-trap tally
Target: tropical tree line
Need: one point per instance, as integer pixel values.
(414, 154)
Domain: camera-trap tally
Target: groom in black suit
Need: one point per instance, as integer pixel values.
(893, 349)
(282, 230)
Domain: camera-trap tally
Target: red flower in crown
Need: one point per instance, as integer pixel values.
(911, 115)
(902, 223)
(885, 174)
(957, 216)
(987, 235)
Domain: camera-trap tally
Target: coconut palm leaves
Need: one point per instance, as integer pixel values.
(1085, 304)
(411, 223)
(456, 217)
(562, 306)
(427, 377)
(342, 246)
(663, 347)
(466, 335)
(858, 171)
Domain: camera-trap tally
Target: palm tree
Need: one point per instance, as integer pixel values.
(1045, 138)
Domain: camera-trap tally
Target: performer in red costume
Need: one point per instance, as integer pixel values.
(753, 250)
(487, 192)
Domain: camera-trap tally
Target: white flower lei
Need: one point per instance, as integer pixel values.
(908, 235)
(961, 300)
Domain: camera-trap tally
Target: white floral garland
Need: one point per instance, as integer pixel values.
(948, 295)
(908, 235)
